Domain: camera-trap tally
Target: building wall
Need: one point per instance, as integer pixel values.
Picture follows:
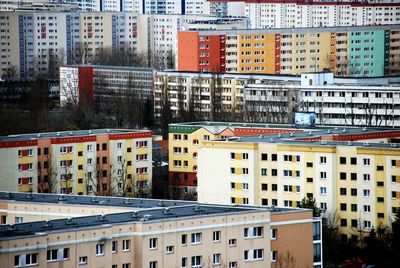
(31, 212)
(188, 60)
(74, 164)
(327, 174)
(297, 51)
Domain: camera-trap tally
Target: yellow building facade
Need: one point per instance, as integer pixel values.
(356, 184)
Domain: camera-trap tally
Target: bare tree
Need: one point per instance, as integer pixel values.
(47, 175)
(286, 261)
(81, 53)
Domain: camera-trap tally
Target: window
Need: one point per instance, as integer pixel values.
(353, 161)
(274, 256)
(119, 145)
(99, 249)
(52, 255)
(89, 147)
(258, 254)
(322, 190)
(30, 259)
(274, 172)
(114, 246)
(264, 172)
(274, 187)
(126, 245)
(343, 191)
(379, 168)
(184, 262)
(342, 160)
(264, 187)
(342, 175)
(169, 249)
(323, 206)
(343, 206)
(274, 234)
(153, 243)
(232, 264)
(367, 225)
(184, 239)
(367, 193)
(245, 171)
(264, 157)
(232, 242)
(217, 259)
(196, 238)
(287, 157)
(274, 157)
(353, 176)
(322, 175)
(253, 232)
(366, 161)
(177, 150)
(309, 164)
(367, 208)
(367, 177)
(153, 264)
(19, 219)
(216, 236)
(322, 160)
(83, 260)
(177, 137)
(126, 265)
(196, 261)
(245, 156)
(343, 222)
(353, 191)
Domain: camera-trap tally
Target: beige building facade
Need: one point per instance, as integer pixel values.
(161, 234)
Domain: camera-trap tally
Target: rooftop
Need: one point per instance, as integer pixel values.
(297, 30)
(327, 137)
(67, 134)
(128, 68)
(150, 210)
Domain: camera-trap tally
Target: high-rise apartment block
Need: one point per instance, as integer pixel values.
(153, 233)
(84, 162)
(308, 13)
(367, 51)
(353, 173)
(158, 33)
(35, 42)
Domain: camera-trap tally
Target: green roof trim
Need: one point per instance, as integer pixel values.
(173, 128)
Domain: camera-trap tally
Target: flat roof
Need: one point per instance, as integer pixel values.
(67, 134)
(314, 137)
(232, 124)
(297, 30)
(112, 67)
(151, 210)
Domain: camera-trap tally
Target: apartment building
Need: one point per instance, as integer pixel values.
(49, 39)
(347, 51)
(158, 38)
(161, 234)
(202, 94)
(185, 142)
(276, 98)
(335, 103)
(100, 83)
(85, 162)
(306, 13)
(352, 173)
